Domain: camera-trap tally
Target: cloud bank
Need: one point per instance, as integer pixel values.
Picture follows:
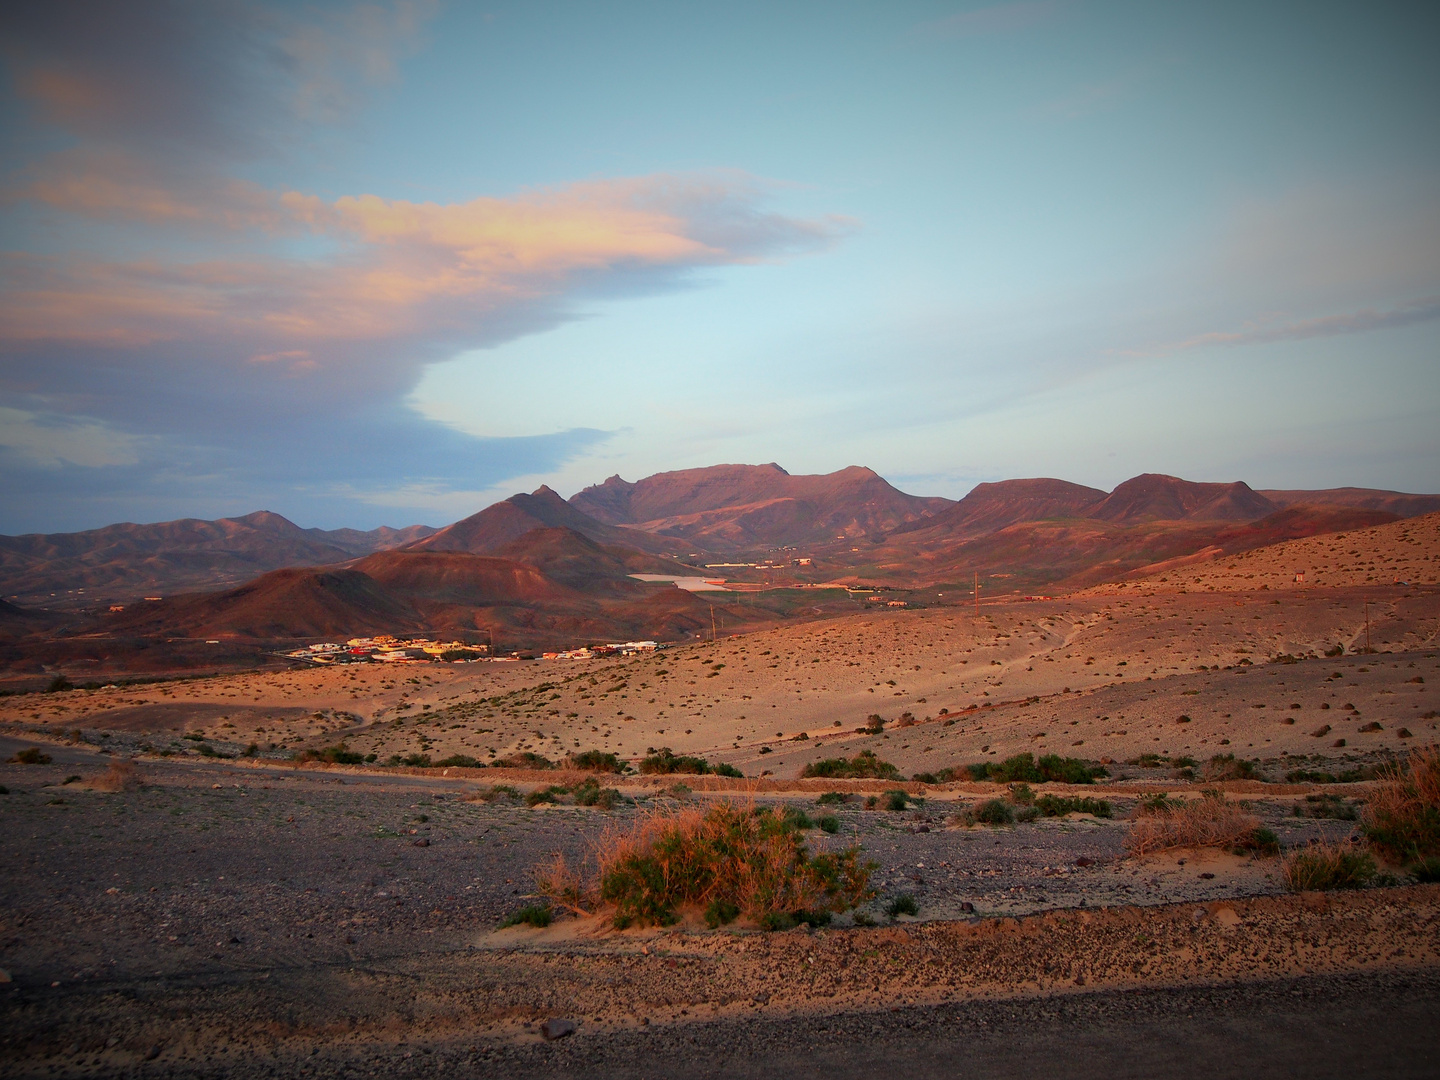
(191, 309)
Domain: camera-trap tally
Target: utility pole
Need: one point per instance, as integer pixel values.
(977, 594)
(1367, 627)
(712, 624)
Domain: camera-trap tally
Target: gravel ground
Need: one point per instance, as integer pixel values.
(238, 919)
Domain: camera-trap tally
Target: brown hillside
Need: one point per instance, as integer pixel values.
(123, 562)
(1156, 497)
(505, 522)
(1405, 551)
(991, 507)
(281, 604)
(730, 507)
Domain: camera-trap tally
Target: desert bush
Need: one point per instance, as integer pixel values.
(793, 815)
(864, 765)
(537, 915)
(549, 794)
(590, 793)
(1402, 814)
(753, 861)
(462, 761)
(896, 800)
(726, 769)
(834, 798)
(596, 761)
(415, 761)
(1021, 794)
(493, 793)
(1055, 806)
(1206, 822)
(1326, 806)
(829, 823)
(31, 755)
(994, 812)
(339, 754)
(122, 775)
(58, 684)
(902, 904)
(1317, 776)
(874, 724)
(1024, 768)
(1427, 870)
(1328, 866)
(925, 778)
(525, 760)
(1229, 767)
(663, 761)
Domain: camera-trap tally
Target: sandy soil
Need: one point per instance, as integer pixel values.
(1095, 677)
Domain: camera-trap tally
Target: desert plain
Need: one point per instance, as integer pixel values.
(229, 908)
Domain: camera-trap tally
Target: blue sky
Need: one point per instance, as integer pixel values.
(387, 263)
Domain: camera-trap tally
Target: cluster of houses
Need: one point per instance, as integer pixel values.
(589, 652)
(390, 650)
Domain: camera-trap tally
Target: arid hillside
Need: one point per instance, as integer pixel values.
(754, 507)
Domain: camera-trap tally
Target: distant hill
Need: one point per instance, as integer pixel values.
(505, 522)
(1156, 497)
(289, 603)
(1398, 503)
(734, 507)
(125, 561)
(438, 592)
(990, 507)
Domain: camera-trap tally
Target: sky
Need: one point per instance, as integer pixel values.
(386, 263)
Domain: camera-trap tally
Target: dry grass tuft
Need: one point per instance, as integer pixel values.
(1328, 866)
(1165, 825)
(1402, 813)
(728, 860)
(121, 776)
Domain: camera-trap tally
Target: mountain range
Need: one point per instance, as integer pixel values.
(537, 569)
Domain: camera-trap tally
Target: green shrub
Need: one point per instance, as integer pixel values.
(664, 762)
(59, 683)
(1328, 866)
(755, 861)
(1055, 806)
(864, 765)
(450, 656)
(1229, 767)
(896, 800)
(925, 778)
(1427, 870)
(798, 818)
(415, 761)
(726, 769)
(720, 912)
(1023, 768)
(834, 798)
(596, 761)
(994, 812)
(462, 761)
(537, 915)
(527, 759)
(550, 794)
(1021, 794)
(1402, 813)
(829, 823)
(902, 904)
(31, 755)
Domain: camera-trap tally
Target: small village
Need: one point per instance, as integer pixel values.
(387, 649)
